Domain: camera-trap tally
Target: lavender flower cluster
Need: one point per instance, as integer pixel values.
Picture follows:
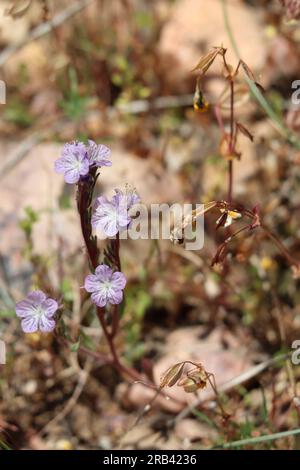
(77, 158)
(37, 311)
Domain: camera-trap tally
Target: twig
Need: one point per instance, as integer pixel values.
(244, 377)
(279, 124)
(82, 379)
(44, 28)
(162, 102)
(231, 143)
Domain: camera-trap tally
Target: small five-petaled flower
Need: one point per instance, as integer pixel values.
(112, 216)
(105, 286)
(77, 158)
(37, 312)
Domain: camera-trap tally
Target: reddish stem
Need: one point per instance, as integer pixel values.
(84, 200)
(231, 141)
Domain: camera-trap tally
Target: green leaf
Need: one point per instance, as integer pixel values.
(7, 314)
(75, 346)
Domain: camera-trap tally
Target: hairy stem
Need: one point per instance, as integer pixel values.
(84, 201)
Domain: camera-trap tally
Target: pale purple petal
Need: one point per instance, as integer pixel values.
(123, 222)
(118, 281)
(133, 199)
(84, 169)
(112, 216)
(106, 219)
(37, 296)
(30, 324)
(123, 218)
(102, 201)
(91, 283)
(72, 176)
(126, 200)
(115, 296)
(24, 308)
(73, 148)
(109, 226)
(73, 162)
(98, 154)
(36, 312)
(46, 324)
(60, 165)
(99, 298)
(105, 163)
(50, 306)
(103, 272)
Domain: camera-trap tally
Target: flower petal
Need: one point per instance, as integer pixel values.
(85, 165)
(37, 296)
(103, 272)
(50, 306)
(102, 201)
(115, 296)
(91, 283)
(98, 154)
(99, 298)
(60, 165)
(106, 163)
(105, 217)
(24, 308)
(72, 176)
(30, 324)
(118, 280)
(73, 148)
(106, 220)
(46, 324)
(109, 226)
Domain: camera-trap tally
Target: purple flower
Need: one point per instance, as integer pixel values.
(37, 312)
(77, 158)
(113, 216)
(106, 286)
(98, 155)
(73, 162)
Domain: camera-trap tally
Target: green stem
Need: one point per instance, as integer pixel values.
(259, 439)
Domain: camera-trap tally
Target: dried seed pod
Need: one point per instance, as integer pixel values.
(195, 379)
(244, 131)
(208, 59)
(172, 375)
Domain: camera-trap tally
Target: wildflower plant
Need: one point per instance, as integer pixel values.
(105, 285)
(112, 216)
(37, 312)
(230, 210)
(80, 163)
(73, 163)
(106, 282)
